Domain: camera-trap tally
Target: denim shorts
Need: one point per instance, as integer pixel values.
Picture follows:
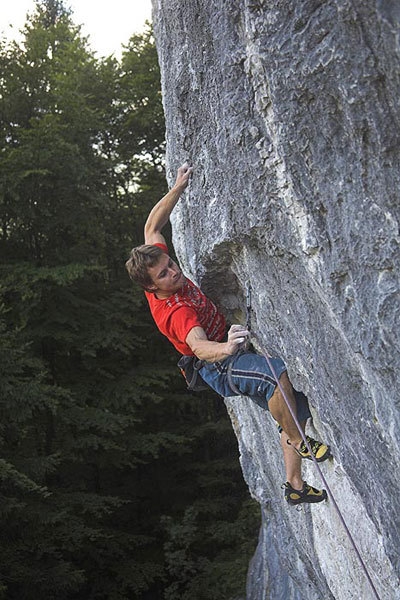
(251, 375)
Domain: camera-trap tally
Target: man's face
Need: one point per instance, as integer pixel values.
(166, 276)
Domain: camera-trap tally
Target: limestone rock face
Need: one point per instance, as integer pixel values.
(290, 114)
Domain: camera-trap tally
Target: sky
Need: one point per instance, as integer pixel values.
(108, 23)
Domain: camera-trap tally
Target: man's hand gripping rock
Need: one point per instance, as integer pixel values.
(238, 339)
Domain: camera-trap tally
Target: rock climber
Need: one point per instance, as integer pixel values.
(195, 326)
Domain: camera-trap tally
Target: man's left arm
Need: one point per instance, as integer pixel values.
(210, 351)
(159, 215)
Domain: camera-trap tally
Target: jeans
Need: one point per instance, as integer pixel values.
(252, 376)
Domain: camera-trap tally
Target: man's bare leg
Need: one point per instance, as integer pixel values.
(279, 410)
(292, 462)
(281, 413)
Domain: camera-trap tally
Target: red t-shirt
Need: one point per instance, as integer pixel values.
(177, 315)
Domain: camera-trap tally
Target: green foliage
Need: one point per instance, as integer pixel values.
(98, 437)
(218, 573)
(142, 107)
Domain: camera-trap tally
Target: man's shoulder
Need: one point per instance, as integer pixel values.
(189, 297)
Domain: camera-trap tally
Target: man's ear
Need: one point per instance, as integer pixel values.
(151, 288)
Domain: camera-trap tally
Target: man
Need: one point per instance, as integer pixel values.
(195, 326)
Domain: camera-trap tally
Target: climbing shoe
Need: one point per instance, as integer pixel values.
(321, 451)
(307, 494)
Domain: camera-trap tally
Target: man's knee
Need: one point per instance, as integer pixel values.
(283, 392)
(285, 383)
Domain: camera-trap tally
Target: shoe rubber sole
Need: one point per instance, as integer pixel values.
(308, 495)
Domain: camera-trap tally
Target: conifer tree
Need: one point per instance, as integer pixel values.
(98, 436)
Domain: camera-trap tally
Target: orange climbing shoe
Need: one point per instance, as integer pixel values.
(307, 494)
(321, 451)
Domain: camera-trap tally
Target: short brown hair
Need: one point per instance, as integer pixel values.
(141, 258)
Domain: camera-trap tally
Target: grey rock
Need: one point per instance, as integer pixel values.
(290, 113)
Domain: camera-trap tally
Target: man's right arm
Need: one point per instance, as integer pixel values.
(161, 212)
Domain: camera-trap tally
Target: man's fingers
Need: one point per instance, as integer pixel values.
(184, 173)
(185, 168)
(238, 330)
(183, 176)
(239, 335)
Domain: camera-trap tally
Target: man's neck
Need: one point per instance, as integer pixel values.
(163, 295)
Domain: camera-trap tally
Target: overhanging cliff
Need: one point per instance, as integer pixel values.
(290, 113)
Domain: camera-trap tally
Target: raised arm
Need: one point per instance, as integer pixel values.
(160, 214)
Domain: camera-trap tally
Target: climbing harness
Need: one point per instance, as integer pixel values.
(335, 505)
(190, 367)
